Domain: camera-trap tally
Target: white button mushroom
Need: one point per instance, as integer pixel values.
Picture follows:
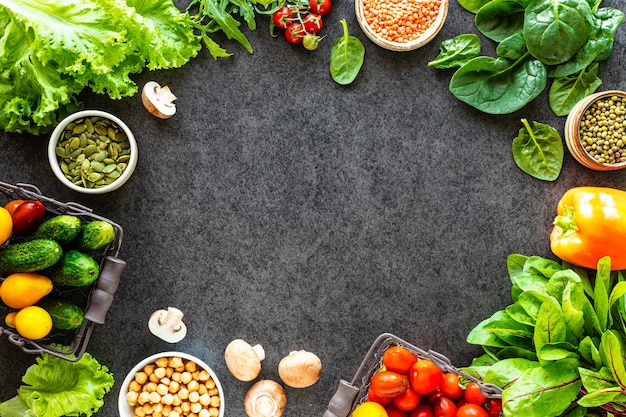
(266, 398)
(168, 325)
(300, 369)
(159, 101)
(244, 360)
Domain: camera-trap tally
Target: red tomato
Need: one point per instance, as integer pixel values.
(444, 407)
(450, 386)
(407, 401)
(425, 376)
(312, 23)
(393, 411)
(473, 394)
(384, 401)
(281, 17)
(320, 7)
(471, 410)
(493, 406)
(387, 384)
(432, 396)
(294, 33)
(399, 359)
(422, 410)
(28, 216)
(12, 205)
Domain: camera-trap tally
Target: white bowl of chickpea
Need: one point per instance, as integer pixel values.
(171, 384)
(401, 25)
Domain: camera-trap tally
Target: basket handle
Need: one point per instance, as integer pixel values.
(341, 403)
(102, 296)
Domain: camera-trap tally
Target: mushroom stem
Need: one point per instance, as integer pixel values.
(266, 398)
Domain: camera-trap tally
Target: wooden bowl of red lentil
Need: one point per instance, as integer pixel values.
(401, 25)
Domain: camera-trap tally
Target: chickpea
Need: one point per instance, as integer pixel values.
(141, 377)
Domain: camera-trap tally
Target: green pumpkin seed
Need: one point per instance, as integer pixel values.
(95, 176)
(97, 166)
(101, 156)
(89, 125)
(60, 151)
(100, 130)
(109, 168)
(78, 129)
(114, 174)
(123, 158)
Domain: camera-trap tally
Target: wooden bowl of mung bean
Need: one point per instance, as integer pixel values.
(401, 25)
(92, 152)
(595, 131)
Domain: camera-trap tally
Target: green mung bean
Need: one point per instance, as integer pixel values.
(602, 130)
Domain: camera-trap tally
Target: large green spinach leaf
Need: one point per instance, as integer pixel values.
(538, 151)
(456, 51)
(566, 92)
(556, 29)
(346, 57)
(499, 19)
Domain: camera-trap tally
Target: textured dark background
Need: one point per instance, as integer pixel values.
(279, 207)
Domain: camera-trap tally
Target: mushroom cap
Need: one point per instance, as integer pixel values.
(168, 325)
(266, 398)
(300, 369)
(159, 101)
(243, 360)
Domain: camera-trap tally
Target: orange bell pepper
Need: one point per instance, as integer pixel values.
(590, 225)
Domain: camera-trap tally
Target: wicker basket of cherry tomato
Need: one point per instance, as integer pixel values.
(398, 379)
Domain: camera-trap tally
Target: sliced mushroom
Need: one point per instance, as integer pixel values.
(159, 101)
(168, 325)
(266, 398)
(244, 360)
(300, 369)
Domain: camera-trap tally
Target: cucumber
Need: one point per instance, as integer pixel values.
(30, 256)
(95, 235)
(64, 313)
(63, 228)
(75, 269)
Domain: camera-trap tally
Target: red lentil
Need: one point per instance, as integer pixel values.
(400, 20)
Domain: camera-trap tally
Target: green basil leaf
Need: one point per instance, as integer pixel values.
(346, 57)
(456, 51)
(556, 29)
(590, 353)
(611, 352)
(498, 86)
(544, 391)
(566, 92)
(538, 151)
(504, 372)
(499, 19)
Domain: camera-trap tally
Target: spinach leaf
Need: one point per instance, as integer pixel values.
(590, 353)
(499, 86)
(555, 29)
(513, 47)
(346, 57)
(545, 267)
(456, 51)
(504, 372)
(611, 352)
(538, 151)
(550, 327)
(566, 92)
(612, 19)
(515, 265)
(531, 302)
(473, 5)
(573, 304)
(499, 19)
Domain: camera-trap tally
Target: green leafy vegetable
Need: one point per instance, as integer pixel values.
(538, 151)
(499, 19)
(53, 49)
(456, 51)
(566, 91)
(346, 57)
(56, 387)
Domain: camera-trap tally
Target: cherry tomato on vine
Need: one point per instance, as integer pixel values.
(444, 407)
(320, 7)
(281, 17)
(493, 406)
(473, 394)
(387, 384)
(12, 205)
(471, 410)
(312, 23)
(450, 386)
(425, 376)
(28, 216)
(393, 411)
(399, 359)
(294, 33)
(422, 410)
(407, 401)
(310, 41)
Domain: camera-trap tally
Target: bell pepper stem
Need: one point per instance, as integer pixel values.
(566, 221)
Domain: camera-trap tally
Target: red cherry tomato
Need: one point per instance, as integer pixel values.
(320, 7)
(493, 406)
(312, 23)
(471, 410)
(432, 396)
(425, 376)
(444, 407)
(28, 216)
(473, 394)
(281, 17)
(407, 401)
(294, 33)
(12, 205)
(384, 401)
(399, 359)
(450, 386)
(387, 384)
(422, 410)
(393, 411)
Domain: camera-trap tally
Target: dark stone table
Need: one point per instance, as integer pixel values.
(282, 208)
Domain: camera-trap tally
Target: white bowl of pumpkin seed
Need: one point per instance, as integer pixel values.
(92, 152)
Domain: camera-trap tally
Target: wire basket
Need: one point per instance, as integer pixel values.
(95, 299)
(351, 394)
